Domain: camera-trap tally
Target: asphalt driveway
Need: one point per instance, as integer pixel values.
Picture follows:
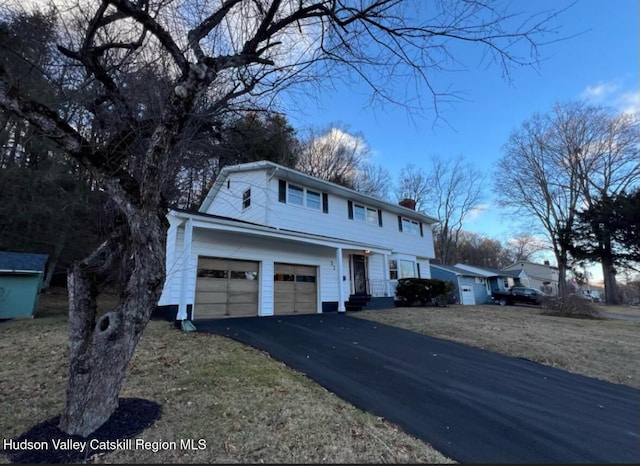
(472, 405)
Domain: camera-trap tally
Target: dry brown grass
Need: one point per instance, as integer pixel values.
(248, 407)
(604, 349)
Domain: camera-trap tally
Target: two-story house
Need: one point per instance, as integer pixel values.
(270, 240)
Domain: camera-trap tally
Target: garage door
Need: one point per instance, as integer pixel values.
(226, 288)
(295, 289)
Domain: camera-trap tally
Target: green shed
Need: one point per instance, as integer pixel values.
(21, 276)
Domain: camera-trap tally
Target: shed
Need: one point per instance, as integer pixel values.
(21, 276)
(471, 288)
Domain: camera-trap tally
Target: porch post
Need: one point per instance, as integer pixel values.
(387, 279)
(186, 255)
(341, 307)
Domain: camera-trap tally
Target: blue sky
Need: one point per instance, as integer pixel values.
(599, 64)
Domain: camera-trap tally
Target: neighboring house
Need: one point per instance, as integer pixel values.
(470, 287)
(272, 240)
(495, 280)
(543, 277)
(21, 277)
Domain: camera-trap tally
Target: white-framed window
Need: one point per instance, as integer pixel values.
(407, 269)
(401, 269)
(393, 269)
(297, 195)
(313, 200)
(480, 280)
(410, 226)
(364, 213)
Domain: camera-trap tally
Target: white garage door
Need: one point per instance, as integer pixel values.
(226, 288)
(295, 289)
(468, 298)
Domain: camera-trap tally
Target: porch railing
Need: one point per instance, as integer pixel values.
(379, 287)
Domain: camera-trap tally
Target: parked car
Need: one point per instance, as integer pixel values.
(518, 294)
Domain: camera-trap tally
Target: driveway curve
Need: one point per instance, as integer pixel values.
(472, 405)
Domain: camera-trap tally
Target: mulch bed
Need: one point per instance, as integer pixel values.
(46, 443)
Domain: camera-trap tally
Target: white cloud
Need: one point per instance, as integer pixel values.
(475, 213)
(614, 95)
(599, 92)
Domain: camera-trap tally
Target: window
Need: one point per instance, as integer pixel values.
(313, 200)
(412, 227)
(295, 195)
(406, 269)
(393, 269)
(401, 269)
(480, 280)
(365, 214)
(246, 199)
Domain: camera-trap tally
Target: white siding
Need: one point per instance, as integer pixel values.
(337, 224)
(228, 201)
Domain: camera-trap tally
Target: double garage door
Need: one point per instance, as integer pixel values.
(230, 288)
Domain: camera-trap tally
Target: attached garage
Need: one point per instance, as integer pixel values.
(295, 289)
(226, 288)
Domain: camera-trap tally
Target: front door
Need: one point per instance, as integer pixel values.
(359, 274)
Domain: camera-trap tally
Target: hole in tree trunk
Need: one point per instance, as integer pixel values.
(104, 323)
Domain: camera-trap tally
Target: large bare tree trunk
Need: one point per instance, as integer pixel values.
(610, 284)
(101, 347)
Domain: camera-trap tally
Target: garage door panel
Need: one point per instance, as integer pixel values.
(211, 297)
(243, 266)
(243, 286)
(209, 311)
(212, 285)
(213, 263)
(242, 298)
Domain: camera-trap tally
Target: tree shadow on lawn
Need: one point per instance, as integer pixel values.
(45, 442)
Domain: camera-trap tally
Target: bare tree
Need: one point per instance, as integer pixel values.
(414, 183)
(211, 55)
(372, 179)
(555, 162)
(451, 191)
(523, 247)
(333, 154)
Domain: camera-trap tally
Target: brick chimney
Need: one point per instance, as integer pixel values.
(408, 203)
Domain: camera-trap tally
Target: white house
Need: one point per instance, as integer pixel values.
(270, 240)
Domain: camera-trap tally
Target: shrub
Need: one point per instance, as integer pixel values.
(424, 291)
(570, 306)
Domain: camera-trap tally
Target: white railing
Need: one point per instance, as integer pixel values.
(379, 287)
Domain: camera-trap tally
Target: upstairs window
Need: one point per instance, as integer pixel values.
(313, 200)
(407, 225)
(364, 214)
(246, 199)
(297, 195)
